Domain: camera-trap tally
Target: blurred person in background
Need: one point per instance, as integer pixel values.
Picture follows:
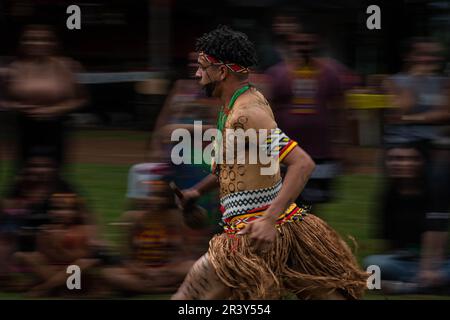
(157, 247)
(66, 239)
(26, 205)
(285, 24)
(41, 86)
(419, 96)
(421, 99)
(417, 259)
(138, 274)
(307, 94)
(185, 104)
(179, 110)
(33, 187)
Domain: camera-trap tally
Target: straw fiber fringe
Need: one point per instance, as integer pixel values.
(308, 258)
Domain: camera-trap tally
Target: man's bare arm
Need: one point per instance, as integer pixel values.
(299, 168)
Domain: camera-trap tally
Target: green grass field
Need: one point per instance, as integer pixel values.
(104, 187)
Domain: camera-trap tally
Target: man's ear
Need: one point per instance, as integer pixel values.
(223, 72)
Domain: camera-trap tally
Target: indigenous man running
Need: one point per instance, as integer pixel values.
(270, 245)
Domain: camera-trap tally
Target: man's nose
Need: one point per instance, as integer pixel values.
(198, 74)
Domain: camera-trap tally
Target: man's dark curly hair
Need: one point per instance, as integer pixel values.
(228, 45)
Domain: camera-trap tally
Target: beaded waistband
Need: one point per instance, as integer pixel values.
(233, 224)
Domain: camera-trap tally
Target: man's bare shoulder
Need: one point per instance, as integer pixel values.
(253, 111)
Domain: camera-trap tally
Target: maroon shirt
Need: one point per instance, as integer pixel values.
(300, 105)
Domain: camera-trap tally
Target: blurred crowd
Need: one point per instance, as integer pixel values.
(45, 224)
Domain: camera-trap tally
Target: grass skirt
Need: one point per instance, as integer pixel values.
(308, 258)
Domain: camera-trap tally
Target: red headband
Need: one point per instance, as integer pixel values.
(232, 66)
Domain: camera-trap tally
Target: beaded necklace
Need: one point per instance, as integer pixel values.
(223, 113)
(222, 119)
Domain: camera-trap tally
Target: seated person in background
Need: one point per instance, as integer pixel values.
(417, 236)
(25, 209)
(33, 188)
(157, 247)
(67, 239)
